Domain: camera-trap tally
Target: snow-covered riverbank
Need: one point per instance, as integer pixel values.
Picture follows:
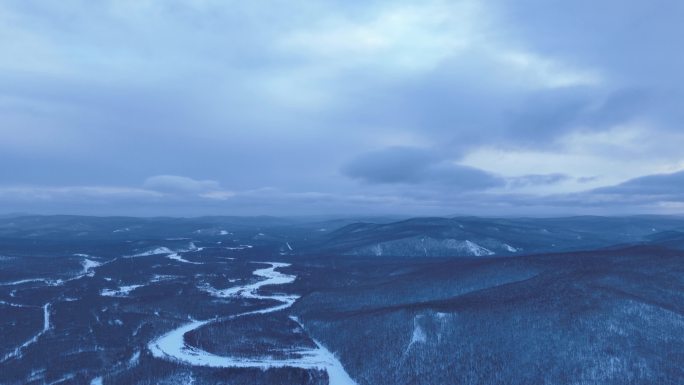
(172, 346)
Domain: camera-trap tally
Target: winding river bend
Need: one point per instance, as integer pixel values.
(171, 346)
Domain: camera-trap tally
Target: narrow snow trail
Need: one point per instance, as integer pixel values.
(47, 281)
(171, 346)
(46, 326)
(89, 267)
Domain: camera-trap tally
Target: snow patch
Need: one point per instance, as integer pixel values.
(477, 250)
(134, 360)
(121, 291)
(418, 335)
(239, 247)
(177, 257)
(89, 266)
(510, 248)
(161, 277)
(171, 254)
(158, 250)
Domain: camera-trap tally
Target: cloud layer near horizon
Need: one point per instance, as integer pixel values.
(288, 107)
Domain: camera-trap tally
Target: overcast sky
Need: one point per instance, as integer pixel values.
(525, 107)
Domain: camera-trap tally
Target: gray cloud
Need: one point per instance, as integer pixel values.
(658, 184)
(180, 184)
(417, 166)
(537, 179)
(393, 165)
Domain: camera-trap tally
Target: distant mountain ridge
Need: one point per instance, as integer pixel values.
(479, 237)
(364, 236)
